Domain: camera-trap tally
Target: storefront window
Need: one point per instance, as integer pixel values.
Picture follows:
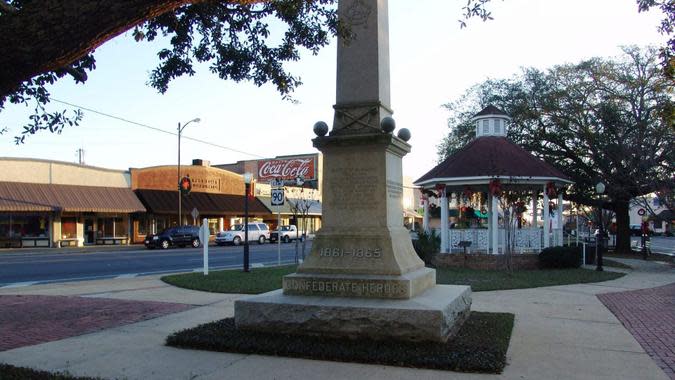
(213, 226)
(18, 226)
(69, 228)
(112, 227)
(144, 225)
(161, 224)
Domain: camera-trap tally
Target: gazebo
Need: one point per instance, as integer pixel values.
(491, 164)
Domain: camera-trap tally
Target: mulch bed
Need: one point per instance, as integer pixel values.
(10, 372)
(480, 345)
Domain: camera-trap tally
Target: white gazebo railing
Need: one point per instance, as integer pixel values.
(526, 240)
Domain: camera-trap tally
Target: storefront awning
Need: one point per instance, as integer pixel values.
(32, 197)
(166, 202)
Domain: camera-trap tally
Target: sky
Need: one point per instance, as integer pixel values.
(432, 61)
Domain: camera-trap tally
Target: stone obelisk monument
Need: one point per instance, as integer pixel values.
(362, 277)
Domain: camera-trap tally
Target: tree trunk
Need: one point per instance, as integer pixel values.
(621, 209)
(48, 35)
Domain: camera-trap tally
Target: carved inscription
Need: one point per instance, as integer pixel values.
(353, 188)
(352, 288)
(394, 189)
(359, 253)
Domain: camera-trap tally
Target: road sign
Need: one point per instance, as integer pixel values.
(195, 213)
(277, 182)
(277, 197)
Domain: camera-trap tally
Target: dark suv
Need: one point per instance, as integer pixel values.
(174, 236)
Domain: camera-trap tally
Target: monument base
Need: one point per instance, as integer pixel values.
(434, 315)
(405, 286)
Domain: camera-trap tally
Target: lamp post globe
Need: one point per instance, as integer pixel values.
(600, 188)
(600, 239)
(248, 177)
(180, 194)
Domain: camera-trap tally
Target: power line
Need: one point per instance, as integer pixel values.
(155, 128)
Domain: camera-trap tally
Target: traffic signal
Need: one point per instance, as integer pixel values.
(185, 185)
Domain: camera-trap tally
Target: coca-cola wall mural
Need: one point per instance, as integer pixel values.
(288, 169)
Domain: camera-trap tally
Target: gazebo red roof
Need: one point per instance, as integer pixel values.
(490, 110)
(492, 156)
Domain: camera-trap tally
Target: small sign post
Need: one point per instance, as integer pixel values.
(278, 198)
(204, 237)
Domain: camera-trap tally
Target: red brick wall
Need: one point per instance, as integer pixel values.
(483, 261)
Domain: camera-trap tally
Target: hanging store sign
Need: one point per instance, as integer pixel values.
(287, 169)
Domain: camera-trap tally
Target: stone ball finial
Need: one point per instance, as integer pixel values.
(388, 124)
(404, 134)
(320, 128)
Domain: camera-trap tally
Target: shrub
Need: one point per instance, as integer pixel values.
(427, 245)
(560, 257)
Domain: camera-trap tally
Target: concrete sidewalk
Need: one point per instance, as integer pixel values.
(561, 332)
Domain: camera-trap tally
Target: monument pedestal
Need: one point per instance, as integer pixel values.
(434, 315)
(362, 277)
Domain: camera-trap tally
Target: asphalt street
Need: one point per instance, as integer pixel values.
(27, 267)
(660, 244)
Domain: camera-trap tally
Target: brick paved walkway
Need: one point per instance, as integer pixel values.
(649, 314)
(26, 320)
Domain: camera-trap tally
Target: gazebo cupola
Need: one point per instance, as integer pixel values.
(491, 121)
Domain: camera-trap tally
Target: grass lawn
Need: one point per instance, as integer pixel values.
(483, 280)
(479, 346)
(614, 264)
(258, 280)
(262, 280)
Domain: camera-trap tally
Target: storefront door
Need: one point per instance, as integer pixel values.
(89, 231)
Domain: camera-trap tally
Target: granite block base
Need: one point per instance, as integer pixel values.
(435, 315)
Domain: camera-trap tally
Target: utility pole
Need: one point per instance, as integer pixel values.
(80, 156)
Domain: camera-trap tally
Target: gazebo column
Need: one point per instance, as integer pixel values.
(535, 196)
(547, 222)
(494, 225)
(425, 219)
(559, 216)
(489, 222)
(444, 222)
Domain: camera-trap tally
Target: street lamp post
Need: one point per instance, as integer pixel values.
(180, 194)
(247, 183)
(599, 241)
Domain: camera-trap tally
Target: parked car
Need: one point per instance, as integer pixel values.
(235, 235)
(285, 233)
(180, 236)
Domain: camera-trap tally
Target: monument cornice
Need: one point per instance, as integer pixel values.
(393, 143)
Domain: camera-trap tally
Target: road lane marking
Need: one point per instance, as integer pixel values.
(257, 265)
(19, 284)
(128, 275)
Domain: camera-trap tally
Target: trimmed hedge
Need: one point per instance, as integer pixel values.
(479, 346)
(560, 257)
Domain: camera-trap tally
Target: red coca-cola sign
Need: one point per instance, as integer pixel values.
(287, 169)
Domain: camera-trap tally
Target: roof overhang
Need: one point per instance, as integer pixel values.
(485, 180)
